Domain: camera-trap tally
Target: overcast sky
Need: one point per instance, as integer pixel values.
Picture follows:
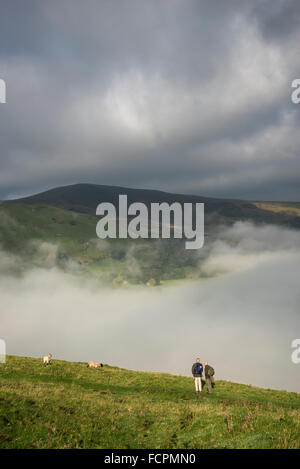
(178, 95)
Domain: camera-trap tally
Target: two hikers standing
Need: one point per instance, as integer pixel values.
(197, 371)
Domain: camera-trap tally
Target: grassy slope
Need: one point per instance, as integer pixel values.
(289, 209)
(45, 223)
(67, 405)
(20, 224)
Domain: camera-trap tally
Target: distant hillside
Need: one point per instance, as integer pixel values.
(65, 217)
(84, 198)
(43, 236)
(67, 405)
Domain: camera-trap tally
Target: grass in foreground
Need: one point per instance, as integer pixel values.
(67, 405)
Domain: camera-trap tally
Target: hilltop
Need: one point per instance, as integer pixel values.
(67, 405)
(84, 198)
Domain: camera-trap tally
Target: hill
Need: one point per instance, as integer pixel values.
(67, 405)
(44, 236)
(84, 198)
(65, 218)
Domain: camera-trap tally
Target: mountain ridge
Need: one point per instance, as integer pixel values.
(84, 198)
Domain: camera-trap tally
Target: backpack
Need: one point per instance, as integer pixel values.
(210, 371)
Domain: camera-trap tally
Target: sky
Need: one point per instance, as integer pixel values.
(185, 96)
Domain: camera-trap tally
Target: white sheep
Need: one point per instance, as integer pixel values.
(94, 365)
(47, 359)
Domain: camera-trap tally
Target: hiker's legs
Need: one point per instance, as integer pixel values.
(208, 384)
(198, 384)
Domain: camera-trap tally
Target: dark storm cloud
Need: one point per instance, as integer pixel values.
(277, 20)
(185, 96)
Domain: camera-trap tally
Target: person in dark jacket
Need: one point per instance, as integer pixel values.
(197, 371)
(209, 373)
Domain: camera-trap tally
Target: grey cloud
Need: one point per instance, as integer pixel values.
(166, 95)
(277, 20)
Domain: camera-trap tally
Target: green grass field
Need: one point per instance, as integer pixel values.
(67, 405)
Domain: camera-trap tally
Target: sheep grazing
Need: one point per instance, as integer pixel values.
(47, 359)
(94, 365)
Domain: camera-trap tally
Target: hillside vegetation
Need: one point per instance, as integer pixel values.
(44, 236)
(65, 218)
(289, 209)
(67, 405)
